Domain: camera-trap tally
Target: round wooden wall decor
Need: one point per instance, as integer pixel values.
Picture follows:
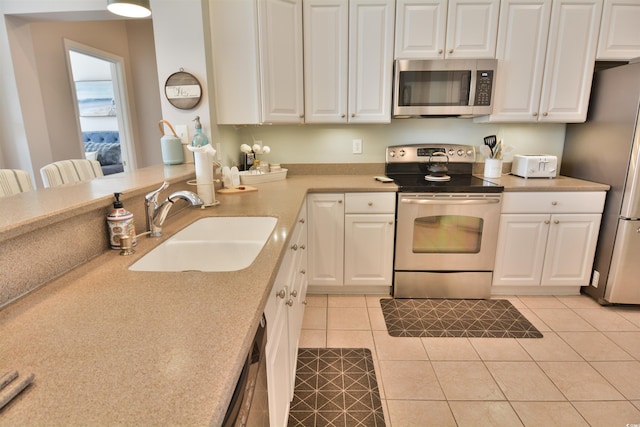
(183, 90)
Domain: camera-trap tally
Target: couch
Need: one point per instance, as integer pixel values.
(104, 146)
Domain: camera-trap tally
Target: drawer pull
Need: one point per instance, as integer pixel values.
(294, 247)
(547, 221)
(301, 221)
(290, 303)
(281, 294)
(556, 222)
(303, 247)
(370, 203)
(294, 293)
(305, 271)
(554, 203)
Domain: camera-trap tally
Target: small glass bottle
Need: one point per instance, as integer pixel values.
(199, 139)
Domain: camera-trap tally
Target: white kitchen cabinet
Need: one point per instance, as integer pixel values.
(546, 56)
(257, 61)
(438, 29)
(348, 60)
(284, 312)
(620, 31)
(547, 242)
(351, 241)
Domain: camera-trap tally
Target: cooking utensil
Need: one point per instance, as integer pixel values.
(486, 151)
(491, 142)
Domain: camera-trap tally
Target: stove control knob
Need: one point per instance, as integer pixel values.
(460, 152)
(392, 153)
(469, 152)
(402, 153)
(451, 152)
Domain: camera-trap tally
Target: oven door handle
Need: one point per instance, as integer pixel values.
(450, 202)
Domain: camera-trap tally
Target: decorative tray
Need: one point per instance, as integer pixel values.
(253, 177)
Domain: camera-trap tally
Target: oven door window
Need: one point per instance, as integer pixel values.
(434, 88)
(447, 234)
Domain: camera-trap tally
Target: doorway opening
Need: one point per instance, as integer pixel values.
(102, 109)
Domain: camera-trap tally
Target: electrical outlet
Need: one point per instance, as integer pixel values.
(183, 133)
(595, 278)
(357, 146)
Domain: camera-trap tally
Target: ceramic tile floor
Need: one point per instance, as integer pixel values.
(584, 372)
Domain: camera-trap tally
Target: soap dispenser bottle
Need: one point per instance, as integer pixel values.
(199, 139)
(120, 222)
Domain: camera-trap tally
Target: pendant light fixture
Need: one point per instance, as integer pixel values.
(129, 8)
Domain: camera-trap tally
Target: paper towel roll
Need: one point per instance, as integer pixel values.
(203, 157)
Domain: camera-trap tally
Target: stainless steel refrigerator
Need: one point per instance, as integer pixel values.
(605, 149)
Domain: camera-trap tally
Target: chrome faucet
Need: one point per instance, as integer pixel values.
(156, 214)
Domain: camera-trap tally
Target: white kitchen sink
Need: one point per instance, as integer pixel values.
(211, 244)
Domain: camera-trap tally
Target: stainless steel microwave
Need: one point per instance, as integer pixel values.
(443, 87)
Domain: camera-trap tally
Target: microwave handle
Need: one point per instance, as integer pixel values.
(450, 202)
(472, 88)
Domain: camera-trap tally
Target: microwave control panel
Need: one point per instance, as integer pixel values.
(484, 84)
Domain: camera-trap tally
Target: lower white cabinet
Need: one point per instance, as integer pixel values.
(547, 240)
(284, 312)
(351, 241)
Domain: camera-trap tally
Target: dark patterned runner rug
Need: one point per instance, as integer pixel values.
(336, 387)
(493, 318)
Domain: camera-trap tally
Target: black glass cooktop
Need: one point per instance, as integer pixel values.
(462, 183)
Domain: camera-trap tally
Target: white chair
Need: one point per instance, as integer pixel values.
(14, 181)
(70, 171)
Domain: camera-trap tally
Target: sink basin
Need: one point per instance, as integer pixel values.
(211, 244)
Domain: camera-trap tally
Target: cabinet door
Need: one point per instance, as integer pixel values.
(325, 234)
(520, 254)
(371, 29)
(281, 60)
(420, 29)
(570, 249)
(620, 31)
(368, 249)
(326, 60)
(571, 52)
(521, 49)
(277, 358)
(472, 28)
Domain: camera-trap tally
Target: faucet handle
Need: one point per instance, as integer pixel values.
(153, 196)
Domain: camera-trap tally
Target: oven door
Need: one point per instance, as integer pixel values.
(447, 231)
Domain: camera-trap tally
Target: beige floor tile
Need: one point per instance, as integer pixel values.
(316, 300)
(514, 300)
(579, 381)
(628, 341)
(549, 414)
(578, 301)
(409, 380)
(636, 403)
(351, 339)
(541, 302)
(385, 409)
(524, 381)
(632, 314)
(549, 348)
(347, 301)
(374, 300)
(450, 349)
(314, 318)
(624, 376)
(313, 338)
(594, 346)
(608, 414)
(559, 319)
(604, 319)
(398, 348)
(499, 349)
(485, 414)
(348, 318)
(377, 319)
(421, 413)
(466, 381)
(535, 320)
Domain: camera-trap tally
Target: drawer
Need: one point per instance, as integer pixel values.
(553, 202)
(370, 203)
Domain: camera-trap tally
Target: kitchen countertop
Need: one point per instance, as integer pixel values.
(109, 345)
(112, 346)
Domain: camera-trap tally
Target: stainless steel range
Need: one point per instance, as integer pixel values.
(447, 222)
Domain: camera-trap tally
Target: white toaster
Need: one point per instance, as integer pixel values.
(534, 165)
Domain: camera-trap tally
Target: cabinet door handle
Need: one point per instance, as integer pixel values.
(440, 51)
(450, 50)
(554, 203)
(294, 247)
(294, 293)
(545, 114)
(303, 271)
(353, 114)
(289, 303)
(535, 114)
(370, 203)
(339, 201)
(390, 222)
(303, 247)
(556, 222)
(547, 221)
(281, 294)
(301, 221)
(304, 302)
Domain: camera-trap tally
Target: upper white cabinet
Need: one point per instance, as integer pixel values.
(620, 30)
(257, 61)
(348, 60)
(437, 29)
(280, 23)
(546, 56)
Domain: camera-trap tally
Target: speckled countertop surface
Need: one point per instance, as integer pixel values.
(112, 346)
